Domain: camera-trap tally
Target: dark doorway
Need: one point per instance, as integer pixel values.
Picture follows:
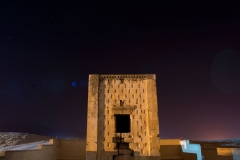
(122, 123)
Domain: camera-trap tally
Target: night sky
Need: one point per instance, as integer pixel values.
(48, 49)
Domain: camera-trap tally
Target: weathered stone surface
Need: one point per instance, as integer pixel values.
(126, 135)
(117, 134)
(127, 140)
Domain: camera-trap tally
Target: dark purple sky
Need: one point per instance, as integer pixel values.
(48, 49)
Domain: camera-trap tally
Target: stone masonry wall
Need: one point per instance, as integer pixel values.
(133, 95)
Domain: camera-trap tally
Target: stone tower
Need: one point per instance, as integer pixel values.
(122, 120)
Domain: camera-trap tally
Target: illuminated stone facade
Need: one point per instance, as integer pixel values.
(122, 120)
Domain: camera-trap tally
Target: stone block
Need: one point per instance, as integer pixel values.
(127, 140)
(118, 135)
(91, 147)
(126, 135)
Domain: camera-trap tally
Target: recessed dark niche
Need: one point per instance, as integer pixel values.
(122, 123)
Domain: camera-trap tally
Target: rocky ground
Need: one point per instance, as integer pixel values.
(219, 143)
(11, 138)
(16, 141)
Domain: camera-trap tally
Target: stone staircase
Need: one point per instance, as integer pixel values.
(124, 152)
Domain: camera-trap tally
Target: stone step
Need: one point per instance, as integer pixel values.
(125, 152)
(123, 157)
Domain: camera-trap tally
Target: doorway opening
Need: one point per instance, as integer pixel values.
(122, 123)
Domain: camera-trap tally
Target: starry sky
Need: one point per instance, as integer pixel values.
(48, 49)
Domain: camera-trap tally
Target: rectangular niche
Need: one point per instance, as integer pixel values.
(122, 123)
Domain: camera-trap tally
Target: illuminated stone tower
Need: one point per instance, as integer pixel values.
(122, 120)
